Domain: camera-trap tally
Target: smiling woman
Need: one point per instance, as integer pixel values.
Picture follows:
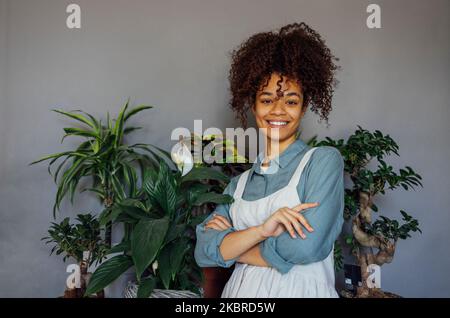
(288, 208)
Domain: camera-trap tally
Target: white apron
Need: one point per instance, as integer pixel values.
(302, 281)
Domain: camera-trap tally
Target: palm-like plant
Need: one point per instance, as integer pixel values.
(160, 239)
(103, 157)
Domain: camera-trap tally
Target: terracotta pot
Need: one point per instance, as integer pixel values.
(215, 280)
(79, 293)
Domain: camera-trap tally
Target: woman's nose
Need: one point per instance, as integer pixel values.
(278, 108)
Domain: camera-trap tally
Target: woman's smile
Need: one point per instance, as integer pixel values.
(277, 123)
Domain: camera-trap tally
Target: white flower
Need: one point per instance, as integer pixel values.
(155, 267)
(182, 157)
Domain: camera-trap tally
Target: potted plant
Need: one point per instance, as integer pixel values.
(159, 237)
(102, 157)
(82, 242)
(372, 242)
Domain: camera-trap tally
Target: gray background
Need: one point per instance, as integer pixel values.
(175, 56)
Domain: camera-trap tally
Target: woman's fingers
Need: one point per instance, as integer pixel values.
(214, 226)
(304, 206)
(301, 219)
(295, 223)
(218, 223)
(282, 218)
(223, 219)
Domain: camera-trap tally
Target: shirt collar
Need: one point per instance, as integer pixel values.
(280, 161)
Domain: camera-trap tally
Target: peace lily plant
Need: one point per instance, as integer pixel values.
(159, 244)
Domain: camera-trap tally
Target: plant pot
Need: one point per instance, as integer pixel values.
(215, 280)
(79, 293)
(372, 293)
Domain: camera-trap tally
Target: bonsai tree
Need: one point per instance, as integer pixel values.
(372, 242)
(160, 237)
(75, 241)
(103, 157)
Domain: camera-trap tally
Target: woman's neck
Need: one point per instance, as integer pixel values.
(272, 152)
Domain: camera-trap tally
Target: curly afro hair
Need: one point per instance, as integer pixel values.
(296, 52)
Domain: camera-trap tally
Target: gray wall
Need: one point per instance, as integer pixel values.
(175, 55)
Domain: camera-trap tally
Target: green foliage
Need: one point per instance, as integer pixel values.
(391, 229)
(102, 156)
(160, 228)
(108, 272)
(74, 239)
(358, 151)
(338, 257)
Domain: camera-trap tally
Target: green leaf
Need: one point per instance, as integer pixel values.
(121, 247)
(164, 270)
(204, 173)
(174, 232)
(130, 129)
(170, 260)
(108, 272)
(162, 192)
(79, 132)
(118, 128)
(146, 240)
(146, 287)
(78, 117)
(212, 197)
(132, 208)
(56, 155)
(136, 110)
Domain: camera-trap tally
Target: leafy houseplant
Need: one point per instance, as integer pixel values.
(160, 240)
(103, 157)
(74, 240)
(359, 150)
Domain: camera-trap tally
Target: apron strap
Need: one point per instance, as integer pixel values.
(298, 172)
(241, 185)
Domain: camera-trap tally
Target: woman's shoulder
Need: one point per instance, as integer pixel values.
(326, 156)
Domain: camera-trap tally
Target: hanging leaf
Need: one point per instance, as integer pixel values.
(108, 272)
(146, 240)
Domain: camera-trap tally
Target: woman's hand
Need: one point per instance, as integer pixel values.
(218, 223)
(287, 219)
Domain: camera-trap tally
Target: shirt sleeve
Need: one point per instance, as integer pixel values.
(207, 253)
(324, 183)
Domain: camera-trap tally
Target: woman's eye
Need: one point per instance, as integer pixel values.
(292, 102)
(266, 101)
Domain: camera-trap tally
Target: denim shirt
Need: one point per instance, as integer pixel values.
(322, 181)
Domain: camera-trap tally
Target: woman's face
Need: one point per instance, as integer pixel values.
(282, 113)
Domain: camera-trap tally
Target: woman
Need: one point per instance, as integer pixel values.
(288, 208)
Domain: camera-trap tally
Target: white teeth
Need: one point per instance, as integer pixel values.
(278, 123)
